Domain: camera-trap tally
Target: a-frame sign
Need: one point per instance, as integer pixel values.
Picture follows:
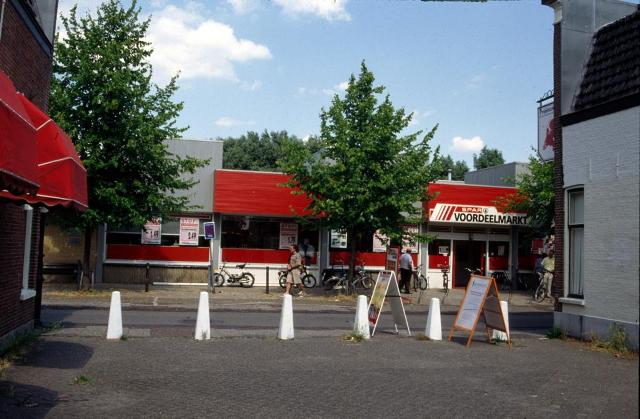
(387, 286)
(480, 298)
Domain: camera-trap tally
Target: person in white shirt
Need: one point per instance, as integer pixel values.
(406, 269)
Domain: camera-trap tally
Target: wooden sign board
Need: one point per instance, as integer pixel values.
(387, 286)
(481, 298)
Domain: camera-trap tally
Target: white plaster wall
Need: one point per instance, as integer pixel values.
(603, 155)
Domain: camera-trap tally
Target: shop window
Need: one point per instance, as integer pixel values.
(499, 249)
(439, 251)
(170, 234)
(264, 233)
(576, 243)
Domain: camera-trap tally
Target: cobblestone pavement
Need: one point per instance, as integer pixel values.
(389, 376)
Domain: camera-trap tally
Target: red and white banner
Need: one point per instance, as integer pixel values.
(474, 214)
(189, 228)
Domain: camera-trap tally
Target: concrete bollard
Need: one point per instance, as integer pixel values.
(361, 324)
(203, 325)
(114, 327)
(433, 330)
(285, 331)
(497, 334)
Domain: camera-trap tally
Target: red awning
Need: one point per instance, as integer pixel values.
(18, 170)
(62, 177)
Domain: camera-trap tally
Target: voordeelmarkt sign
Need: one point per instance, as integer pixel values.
(475, 214)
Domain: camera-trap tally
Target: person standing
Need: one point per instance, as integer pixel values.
(293, 270)
(548, 265)
(406, 269)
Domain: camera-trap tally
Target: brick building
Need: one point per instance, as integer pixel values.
(27, 136)
(596, 144)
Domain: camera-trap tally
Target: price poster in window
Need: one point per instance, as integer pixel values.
(338, 239)
(152, 231)
(189, 231)
(380, 242)
(288, 234)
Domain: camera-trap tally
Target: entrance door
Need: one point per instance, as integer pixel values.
(466, 254)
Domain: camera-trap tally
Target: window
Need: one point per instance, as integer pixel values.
(576, 243)
(260, 233)
(169, 234)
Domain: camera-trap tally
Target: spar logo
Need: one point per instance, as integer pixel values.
(475, 214)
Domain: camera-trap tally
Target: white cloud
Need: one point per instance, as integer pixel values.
(306, 138)
(340, 87)
(183, 40)
(467, 145)
(325, 9)
(476, 81)
(255, 85)
(418, 116)
(343, 85)
(243, 6)
(229, 122)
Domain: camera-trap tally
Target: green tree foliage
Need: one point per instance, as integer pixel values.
(103, 97)
(535, 196)
(488, 157)
(443, 164)
(254, 151)
(365, 175)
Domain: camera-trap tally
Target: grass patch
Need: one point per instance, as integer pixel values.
(555, 333)
(616, 343)
(82, 380)
(353, 337)
(18, 347)
(422, 337)
(72, 293)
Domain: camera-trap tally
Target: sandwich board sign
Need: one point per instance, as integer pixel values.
(387, 286)
(481, 298)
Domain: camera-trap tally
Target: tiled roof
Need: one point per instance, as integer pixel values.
(613, 70)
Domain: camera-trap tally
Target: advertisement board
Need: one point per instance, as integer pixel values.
(288, 234)
(387, 286)
(379, 242)
(152, 231)
(189, 228)
(545, 131)
(338, 240)
(209, 230)
(475, 214)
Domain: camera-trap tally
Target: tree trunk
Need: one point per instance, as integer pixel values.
(86, 259)
(351, 234)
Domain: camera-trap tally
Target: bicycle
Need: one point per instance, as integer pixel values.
(245, 279)
(503, 281)
(308, 280)
(361, 279)
(445, 278)
(419, 280)
(541, 291)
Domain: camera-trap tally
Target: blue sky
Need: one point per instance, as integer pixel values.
(477, 69)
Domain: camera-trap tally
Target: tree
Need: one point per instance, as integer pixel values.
(255, 151)
(103, 97)
(488, 157)
(365, 176)
(535, 196)
(446, 163)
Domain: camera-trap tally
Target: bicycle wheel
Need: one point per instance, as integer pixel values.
(331, 282)
(423, 282)
(247, 280)
(309, 281)
(541, 293)
(218, 280)
(282, 279)
(367, 281)
(445, 282)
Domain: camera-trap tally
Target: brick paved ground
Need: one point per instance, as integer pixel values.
(389, 376)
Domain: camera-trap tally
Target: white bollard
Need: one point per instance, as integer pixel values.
(361, 325)
(497, 334)
(114, 327)
(286, 319)
(434, 325)
(203, 326)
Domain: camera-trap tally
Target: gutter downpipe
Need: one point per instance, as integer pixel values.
(4, 3)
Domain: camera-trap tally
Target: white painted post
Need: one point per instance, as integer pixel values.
(114, 328)
(285, 331)
(497, 334)
(433, 329)
(361, 324)
(203, 327)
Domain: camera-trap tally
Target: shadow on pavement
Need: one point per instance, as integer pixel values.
(25, 401)
(59, 354)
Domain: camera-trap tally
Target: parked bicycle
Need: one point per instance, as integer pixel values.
(541, 291)
(445, 278)
(419, 280)
(244, 279)
(361, 279)
(308, 280)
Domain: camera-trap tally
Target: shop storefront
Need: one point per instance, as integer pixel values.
(471, 233)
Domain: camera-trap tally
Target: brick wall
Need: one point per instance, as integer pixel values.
(24, 60)
(13, 312)
(558, 277)
(28, 65)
